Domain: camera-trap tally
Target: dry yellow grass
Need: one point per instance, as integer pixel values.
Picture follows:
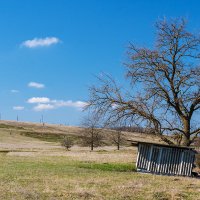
(35, 169)
(61, 177)
(68, 130)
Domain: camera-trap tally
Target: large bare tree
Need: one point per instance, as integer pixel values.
(165, 85)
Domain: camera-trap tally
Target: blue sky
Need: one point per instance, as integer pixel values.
(50, 50)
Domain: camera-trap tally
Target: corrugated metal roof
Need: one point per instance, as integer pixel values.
(161, 145)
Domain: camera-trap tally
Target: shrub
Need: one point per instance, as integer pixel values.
(67, 142)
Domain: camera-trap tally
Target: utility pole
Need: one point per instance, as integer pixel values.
(17, 118)
(42, 120)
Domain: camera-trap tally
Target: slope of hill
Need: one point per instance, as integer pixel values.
(54, 132)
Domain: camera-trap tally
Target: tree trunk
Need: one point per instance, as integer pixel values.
(186, 135)
(92, 142)
(118, 140)
(92, 146)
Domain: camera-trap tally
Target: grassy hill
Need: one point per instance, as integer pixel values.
(33, 165)
(55, 133)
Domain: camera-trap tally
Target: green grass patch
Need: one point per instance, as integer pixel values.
(4, 151)
(117, 167)
(6, 126)
(44, 136)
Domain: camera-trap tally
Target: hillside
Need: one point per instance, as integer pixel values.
(54, 132)
(33, 139)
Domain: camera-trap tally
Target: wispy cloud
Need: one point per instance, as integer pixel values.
(36, 85)
(18, 108)
(40, 42)
(75, 104)
(44, 103)
(38, 100)
(14, 91)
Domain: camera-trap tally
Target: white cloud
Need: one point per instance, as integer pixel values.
(41, 107)
(40, 42)
(18, 108)
(14, 91)
(36, 85)
(44, 103)
(76, 104)
(38, 100)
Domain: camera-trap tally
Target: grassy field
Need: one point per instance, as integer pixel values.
(32, 168)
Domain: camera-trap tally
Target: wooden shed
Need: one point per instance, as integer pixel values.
(164, 159)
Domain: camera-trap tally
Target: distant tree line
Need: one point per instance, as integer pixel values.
(135, 129)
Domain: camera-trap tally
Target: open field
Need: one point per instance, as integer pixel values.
(35, 168)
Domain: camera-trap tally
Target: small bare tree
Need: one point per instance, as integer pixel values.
(67, 142)
(166, 85)
(118, 138)
(92, 133)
